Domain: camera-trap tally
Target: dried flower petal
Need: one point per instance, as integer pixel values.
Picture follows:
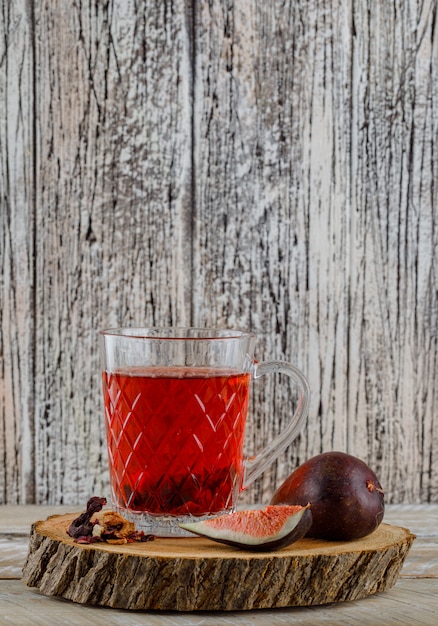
(88, 539)
(82, 526)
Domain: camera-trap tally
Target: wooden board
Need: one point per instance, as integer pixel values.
(189, 574)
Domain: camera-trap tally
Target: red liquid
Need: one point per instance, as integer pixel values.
(175, 443)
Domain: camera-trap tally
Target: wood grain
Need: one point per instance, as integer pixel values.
(326, 125)
(422, 561)
(111, 217)
(412, 600)
(17, 250)
(393, 329)
(275, 103)
(185, 574)
(261, 165)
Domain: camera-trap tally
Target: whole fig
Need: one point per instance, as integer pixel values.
(346, 498)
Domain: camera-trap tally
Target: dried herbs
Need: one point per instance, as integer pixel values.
(97, 526)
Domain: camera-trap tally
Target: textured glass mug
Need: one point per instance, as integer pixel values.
(176, 403)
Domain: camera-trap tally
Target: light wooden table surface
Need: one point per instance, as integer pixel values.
(412, 601)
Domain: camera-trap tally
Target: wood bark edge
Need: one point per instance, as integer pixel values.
(195, 574)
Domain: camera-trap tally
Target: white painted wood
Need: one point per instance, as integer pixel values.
(263, 165)
(17, 245)
(320, 230)
(110, 195)
(273, 99)
(409, 602)
(393, 348)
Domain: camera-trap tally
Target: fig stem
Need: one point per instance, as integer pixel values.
(372, 487)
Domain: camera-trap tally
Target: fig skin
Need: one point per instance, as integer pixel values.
(346, 497)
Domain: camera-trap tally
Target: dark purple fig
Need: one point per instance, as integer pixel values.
(344, 493)
(262, 530)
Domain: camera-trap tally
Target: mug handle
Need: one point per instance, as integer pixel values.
(256, 465)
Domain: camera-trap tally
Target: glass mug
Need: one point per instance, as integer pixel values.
(176, 403)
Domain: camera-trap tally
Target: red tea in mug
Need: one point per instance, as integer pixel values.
(175, 438)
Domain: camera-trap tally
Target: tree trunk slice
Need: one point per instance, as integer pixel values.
(190, 574)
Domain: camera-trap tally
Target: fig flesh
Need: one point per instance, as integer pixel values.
(270, 528)
(346, 497)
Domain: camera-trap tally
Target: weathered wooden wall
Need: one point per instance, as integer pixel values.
(269, 165)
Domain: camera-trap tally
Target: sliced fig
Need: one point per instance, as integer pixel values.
(270, 528)
(346, 497)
